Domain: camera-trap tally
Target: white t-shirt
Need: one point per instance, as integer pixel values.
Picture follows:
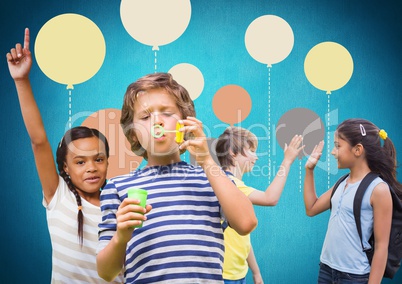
(72, 263)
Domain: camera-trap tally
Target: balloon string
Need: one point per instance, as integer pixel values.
(69, 109)
(269, 124)
(156, 61)
(300, 175)
(328, 137)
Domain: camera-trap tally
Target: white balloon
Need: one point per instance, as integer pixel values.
(269, 39)
(190, 77)
(155, 22)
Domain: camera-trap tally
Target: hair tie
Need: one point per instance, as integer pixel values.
(383, 134)
(79, 208)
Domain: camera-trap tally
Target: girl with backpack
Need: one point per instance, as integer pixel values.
(361, 147)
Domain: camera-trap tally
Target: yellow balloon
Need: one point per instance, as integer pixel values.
(328, 66)
(70, 49)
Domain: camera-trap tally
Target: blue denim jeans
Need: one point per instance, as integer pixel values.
(327, 275)
(240, 281)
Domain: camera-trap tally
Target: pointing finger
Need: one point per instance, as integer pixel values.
(26, 39)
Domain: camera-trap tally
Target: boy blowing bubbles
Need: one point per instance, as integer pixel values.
(181, 240)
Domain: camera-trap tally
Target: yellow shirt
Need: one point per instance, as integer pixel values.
(237, 247)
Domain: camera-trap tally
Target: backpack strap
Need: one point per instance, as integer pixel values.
(357, 202)
(335, 188)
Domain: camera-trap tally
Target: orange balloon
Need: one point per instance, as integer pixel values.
(121, 159)
(231, 104)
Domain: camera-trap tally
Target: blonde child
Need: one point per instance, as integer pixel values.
(236, 151)
(181, 239)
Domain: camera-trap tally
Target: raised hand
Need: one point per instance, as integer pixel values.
(315, 156)
(294, 149)
(19, 59)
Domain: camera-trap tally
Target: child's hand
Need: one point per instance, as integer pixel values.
(315, 156)
(19, 59)
(257, 278)
(294, 149)
(129, 215)
(198, 147)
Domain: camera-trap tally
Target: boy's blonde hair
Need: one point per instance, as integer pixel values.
(233, 141)
(153, 81)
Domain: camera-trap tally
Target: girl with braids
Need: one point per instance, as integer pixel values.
(361, 147)
(72, 199)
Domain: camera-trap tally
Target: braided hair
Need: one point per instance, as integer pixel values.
(61, 153)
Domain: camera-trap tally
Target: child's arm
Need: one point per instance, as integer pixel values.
(19, 61)
(110, 260)
(252, 263)
(382, 206)
(271, 195)
(313, 204)
(230, 198)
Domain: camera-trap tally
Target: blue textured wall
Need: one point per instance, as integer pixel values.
(287, 243)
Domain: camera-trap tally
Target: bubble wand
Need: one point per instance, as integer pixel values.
(161, 131)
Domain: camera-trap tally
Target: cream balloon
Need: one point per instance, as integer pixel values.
(269, 39)
(328, 66)
(190, 77)
(70, 49)
(155, 22)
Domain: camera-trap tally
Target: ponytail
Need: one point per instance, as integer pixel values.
(379, 149)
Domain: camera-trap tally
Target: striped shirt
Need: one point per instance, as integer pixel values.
(182, 240)
(72, 263)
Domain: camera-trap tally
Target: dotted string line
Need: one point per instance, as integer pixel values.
(300, 175)
(155, 61)
(269, 124)
(328, 137)
(69, 109)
